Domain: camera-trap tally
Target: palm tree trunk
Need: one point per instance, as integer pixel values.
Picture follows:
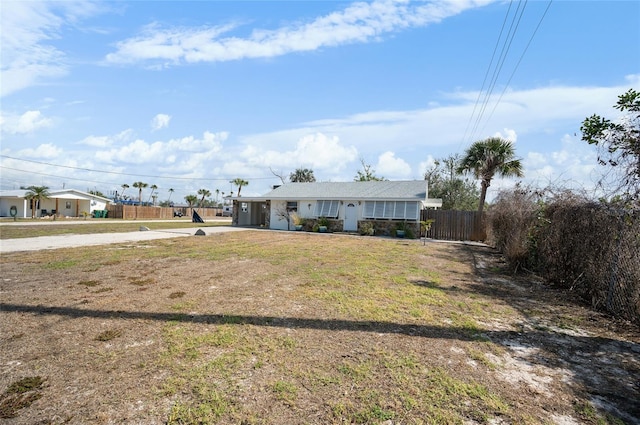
(479, 233)
(483, 195)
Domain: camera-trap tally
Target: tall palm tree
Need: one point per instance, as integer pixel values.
(239, 182)
(205, 193)
(217, 194)
(124, 187)
(302, 175)
(486, 158)
(153, 187)
(170, 193)
(191, 201)
(35, 194)
(140, 186)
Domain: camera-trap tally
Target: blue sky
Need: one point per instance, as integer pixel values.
(189, 95)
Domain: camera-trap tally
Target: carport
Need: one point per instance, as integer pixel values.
(250, 213)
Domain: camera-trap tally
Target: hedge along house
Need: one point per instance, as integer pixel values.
(61, 203)
(346, 205)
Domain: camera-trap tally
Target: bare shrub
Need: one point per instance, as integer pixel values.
(513, 221)
(589, 247)
(592, 248)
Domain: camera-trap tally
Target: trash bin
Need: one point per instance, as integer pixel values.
(105, 213)
(96, 213)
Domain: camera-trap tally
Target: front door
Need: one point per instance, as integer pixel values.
(350, 217)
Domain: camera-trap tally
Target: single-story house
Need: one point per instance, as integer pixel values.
(64, 202)
(346, 205)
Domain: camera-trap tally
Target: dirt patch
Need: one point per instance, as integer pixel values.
(283, 327)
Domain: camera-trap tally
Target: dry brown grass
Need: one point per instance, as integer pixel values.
(292, 328)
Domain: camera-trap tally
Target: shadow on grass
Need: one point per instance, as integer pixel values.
(590, 358)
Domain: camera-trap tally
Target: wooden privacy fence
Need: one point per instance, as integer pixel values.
(453, 225)
(134, 212)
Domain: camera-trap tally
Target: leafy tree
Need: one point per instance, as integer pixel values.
(367, 173)
(191, 200)
(205, 193)
(447, 184)
(140, 186)
(619, 142)
(486, 158)
(96, 192)
(239, 182)
(302, 175)
(36, 194)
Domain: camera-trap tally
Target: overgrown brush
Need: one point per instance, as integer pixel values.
(589, 247)
(513, 222)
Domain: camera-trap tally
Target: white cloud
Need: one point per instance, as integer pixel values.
(26, 123)
(392, 168)
(46, 150)
(427, 164)
(182, 154)
(316, 151)
(360, 22)
(160, 121)
(507, 134)
(28, 57)
(107, 141)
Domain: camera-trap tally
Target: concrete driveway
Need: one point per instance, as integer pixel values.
(72, 241)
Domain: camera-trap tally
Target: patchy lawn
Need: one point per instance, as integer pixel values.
(292, 328)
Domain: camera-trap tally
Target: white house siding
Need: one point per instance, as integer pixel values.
(277, 222)
(21, 205)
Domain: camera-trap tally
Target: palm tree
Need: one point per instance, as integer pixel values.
(153, 188)
(35, 194)
(170, 193)
(239, 182)
(205, 193)
(124, 187)
(302, 175)
(217, 194)
(140, 186)
(488, 157)
(191, 200)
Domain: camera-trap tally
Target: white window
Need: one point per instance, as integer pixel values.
(327, 209)
(400, 210)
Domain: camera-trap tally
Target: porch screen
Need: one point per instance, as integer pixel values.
(402, 210)
(327, 209)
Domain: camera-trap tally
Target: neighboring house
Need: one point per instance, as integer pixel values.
(345, 204)
(65, 202)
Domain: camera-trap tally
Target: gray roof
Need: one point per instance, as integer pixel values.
(412, 190)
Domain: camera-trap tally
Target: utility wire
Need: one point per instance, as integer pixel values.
(486, 74)
(517, 64)
(129, 174)
(515, 22)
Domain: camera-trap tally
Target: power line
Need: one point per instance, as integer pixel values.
(128, 174)
(515, 22)
(518, 63)
(486, 74)
(480, 108)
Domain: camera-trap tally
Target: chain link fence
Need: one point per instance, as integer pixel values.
(590, 248)
(594, 249)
